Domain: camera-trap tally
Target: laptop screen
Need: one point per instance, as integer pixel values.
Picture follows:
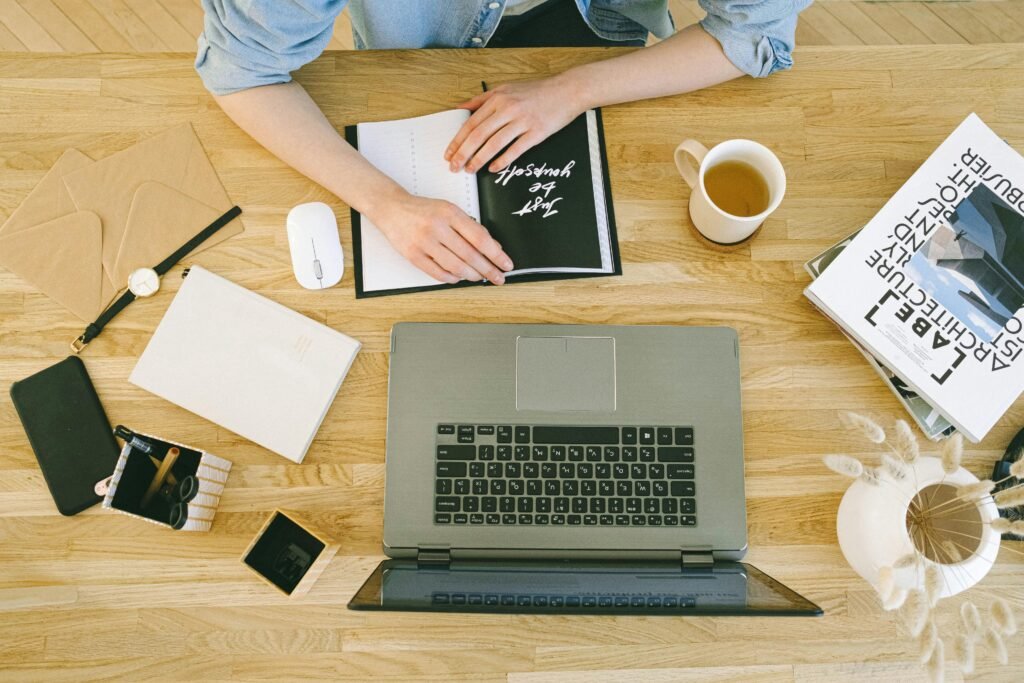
(578, 587)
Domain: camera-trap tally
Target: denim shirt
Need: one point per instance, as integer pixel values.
(248, 43)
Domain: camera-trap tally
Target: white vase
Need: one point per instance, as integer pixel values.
(872, 527)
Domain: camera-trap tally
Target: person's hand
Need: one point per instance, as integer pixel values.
(522, 113)
(441, 240)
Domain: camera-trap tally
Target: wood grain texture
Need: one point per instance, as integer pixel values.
(102, 596)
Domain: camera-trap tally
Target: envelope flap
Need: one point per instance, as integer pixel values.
(61, 258)
(49, 199)
(160, 220)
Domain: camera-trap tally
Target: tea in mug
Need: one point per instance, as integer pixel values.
(737, 188)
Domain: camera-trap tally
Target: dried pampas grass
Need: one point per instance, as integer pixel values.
(1001, 525)
(1017, 527)
(917, 611)
(952, 552)
(927, 640)
(932, 583)
(896, 468)
(865, 425)
(936, 663)
(963, 653)
(871, 475)
(846, 465)
(905, 443)
(907, 561)
(1002, 617)
(976, 490)
(994, 641)
(972, 620)
(886, 582)
(1009, 498)
(895, 600)
(1017, 469)
(952, 453)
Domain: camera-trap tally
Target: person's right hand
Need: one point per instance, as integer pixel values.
(441, 240)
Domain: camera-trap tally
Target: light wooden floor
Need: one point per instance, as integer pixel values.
(172, 25)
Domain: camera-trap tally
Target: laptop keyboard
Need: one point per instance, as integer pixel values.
(564, 475)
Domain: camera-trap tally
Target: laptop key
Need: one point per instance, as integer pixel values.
(624, 489)
(574, 520)
(513, 470)
(606, 520)
(445, 429)
(498, 487)
(534, 487)
(647, 436)
(525, 505)
(507, 504)
(682, 488)
(687, 520)
(680, 472)
(522, 434)
(675, 454)
(633, 505)
(461, 518)
(489, 503)
(558, 519)
(476, 469)
(616, 506)
(597, 505)
(494, 518)
(671, 520)
(570, 488)
(606, 488)
(603, 470)
(508, 519)
(561, 505)
(522, 453)
(461, 487)
(540, 453)
(638, 471)
(590, 520)
(684, 436)
(655, 471)
(585, 471)
(629, 435)
(581, 435)
(516, 487)
(575, 453)
(543, 504)
(588, 487)
(443, 487)
(451, 469)
(629, 454)
(558, 453)
(447, 504)
(485, 452)
(567, 470)
(620, 471)
(541, 519)
(652, 506)
(494, 469)
(504, 452)
(687, 506)
(485, 430)
(593, 453)
(456, 452)
(670, 506)
(579, 505)
(653, 520)
(611, 453)
(504, 434)
(621, 520)
(525, 519)
(476, 518)
(638, 520)
(552, 487)
(642, 488)
(531, 470)
(466, 437)
(471, 504)
(646, 454)
(548, 470)
(443, 518)
(664, 436)
(659, 488)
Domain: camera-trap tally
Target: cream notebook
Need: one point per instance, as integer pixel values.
(246, 363)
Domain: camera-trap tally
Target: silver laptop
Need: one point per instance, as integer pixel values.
(567, 468)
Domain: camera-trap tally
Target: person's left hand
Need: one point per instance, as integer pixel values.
(525, 112)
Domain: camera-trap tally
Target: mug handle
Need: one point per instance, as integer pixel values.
(696, 150)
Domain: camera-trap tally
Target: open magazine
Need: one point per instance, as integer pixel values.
(931, 421)
(933, 285)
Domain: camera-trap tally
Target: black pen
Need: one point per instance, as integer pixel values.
(483, 85)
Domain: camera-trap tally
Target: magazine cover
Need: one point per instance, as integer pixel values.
(931, 421)
(934, 284)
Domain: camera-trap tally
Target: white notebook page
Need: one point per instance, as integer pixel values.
(411, 151)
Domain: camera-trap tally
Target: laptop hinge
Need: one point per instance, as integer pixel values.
(434, 555)
(697, 559)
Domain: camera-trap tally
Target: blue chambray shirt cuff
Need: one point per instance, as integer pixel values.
(223, 74)
(753, 53)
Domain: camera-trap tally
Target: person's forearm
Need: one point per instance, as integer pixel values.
(289, 124)
(689, 60)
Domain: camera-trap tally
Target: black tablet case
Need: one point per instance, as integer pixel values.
(566, 143)
(68, 431)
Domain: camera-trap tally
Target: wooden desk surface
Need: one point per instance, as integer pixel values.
(105, 596)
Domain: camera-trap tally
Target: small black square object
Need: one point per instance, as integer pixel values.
(284, 553)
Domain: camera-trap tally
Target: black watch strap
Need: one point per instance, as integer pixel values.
(94, 328)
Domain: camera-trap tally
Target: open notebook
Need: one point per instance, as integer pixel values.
(550, 210)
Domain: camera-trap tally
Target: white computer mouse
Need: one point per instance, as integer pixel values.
(317, 258)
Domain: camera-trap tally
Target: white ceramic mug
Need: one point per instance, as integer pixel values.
(715, 224)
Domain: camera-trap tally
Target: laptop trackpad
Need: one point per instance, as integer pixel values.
(565, 373)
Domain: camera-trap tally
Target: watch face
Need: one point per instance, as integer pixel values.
(144, 282)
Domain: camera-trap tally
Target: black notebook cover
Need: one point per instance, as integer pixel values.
(542, 210)
(68, 431)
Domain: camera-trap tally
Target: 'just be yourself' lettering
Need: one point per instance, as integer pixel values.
(545, 181)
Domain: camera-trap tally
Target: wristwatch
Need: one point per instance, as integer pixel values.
(145, 282)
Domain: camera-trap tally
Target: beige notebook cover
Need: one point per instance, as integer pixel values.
(246, 363)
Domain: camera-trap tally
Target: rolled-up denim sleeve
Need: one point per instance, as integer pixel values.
(248, 43)
(757, 36)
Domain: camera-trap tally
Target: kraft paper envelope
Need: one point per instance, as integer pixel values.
(53, 246)
(88, 225)
(140, 220)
